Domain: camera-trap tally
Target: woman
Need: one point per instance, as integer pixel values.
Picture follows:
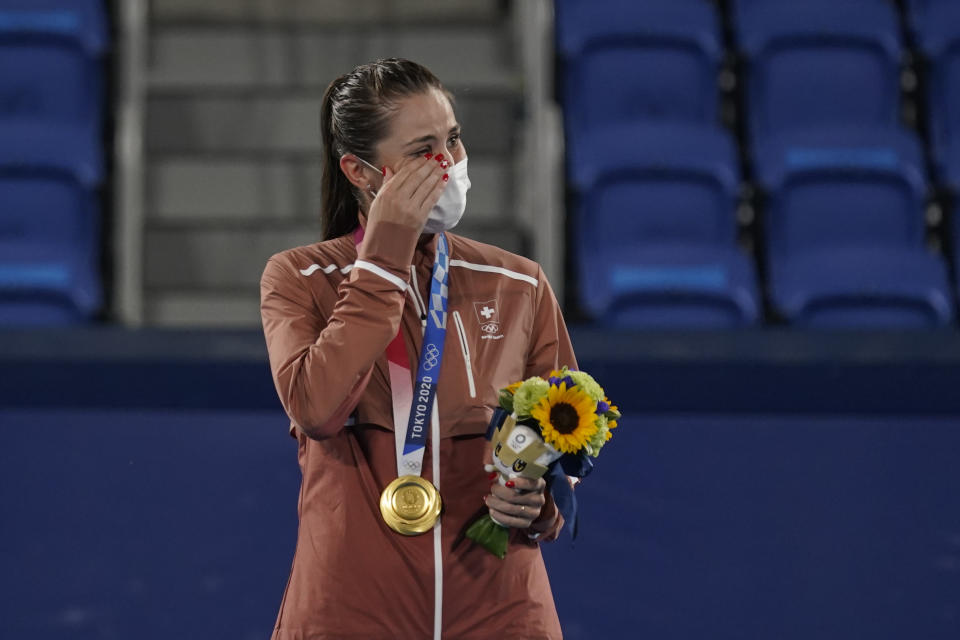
(348, 322)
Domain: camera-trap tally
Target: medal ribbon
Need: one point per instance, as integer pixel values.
(417, 402)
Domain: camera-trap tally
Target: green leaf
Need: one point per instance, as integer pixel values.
(506, 400)
(490, 535)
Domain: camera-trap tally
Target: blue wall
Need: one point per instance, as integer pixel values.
(816, 515)
(144, 524)
(767, 527)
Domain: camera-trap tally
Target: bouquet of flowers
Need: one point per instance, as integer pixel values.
(551, 427)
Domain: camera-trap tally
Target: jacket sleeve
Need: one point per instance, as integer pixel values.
(321, 365)
(550, 348)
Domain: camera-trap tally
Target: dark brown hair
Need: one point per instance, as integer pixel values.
(354, 117)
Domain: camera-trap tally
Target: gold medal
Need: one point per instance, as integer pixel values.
(410, 505)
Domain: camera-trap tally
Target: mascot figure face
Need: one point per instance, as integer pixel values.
(525, 446)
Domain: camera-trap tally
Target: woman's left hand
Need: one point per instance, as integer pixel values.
(517, 506)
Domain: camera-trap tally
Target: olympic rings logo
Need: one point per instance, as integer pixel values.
(432, 357)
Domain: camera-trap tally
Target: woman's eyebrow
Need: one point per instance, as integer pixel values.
(430, 138)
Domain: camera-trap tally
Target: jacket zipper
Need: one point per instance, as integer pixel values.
(418, 301)
(465, 348)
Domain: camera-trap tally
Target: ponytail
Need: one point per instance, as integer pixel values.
(354, 117)
(340, 206)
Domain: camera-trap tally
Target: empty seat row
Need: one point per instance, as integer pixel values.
(51, 159)
(844, 229)
(817, 61)
(843, 222)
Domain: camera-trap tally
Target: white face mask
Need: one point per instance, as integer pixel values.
(446, 214)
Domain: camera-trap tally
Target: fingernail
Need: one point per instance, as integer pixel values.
(444, 164)
(493, 475)
(428, 156)
(439, 157)
(446, 177)
(383, 170)
(510, 484)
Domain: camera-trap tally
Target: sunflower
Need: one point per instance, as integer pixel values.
(567, 418)
(512, 388)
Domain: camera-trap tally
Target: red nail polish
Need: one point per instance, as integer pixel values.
(383, 170)
(428, 156)
(493, 475)
(446, 177)
(444, 164)
(439, 157)
(510, 484)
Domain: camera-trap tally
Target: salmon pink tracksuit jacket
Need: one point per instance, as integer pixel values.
(329, 310)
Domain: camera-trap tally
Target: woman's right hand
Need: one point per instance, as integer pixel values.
(407, 196)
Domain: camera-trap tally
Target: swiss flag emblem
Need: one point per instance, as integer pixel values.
(486, 311)
(488, 316)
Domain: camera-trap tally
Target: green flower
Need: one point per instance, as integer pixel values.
(597, 440)
(586, 382)
(528, 395)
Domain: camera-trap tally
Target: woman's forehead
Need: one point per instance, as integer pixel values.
(420, 115)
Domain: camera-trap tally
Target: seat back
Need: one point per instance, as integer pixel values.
(49, 176)
(657, 184)
(842, 187)
(50, 60)
(626, 61)
(817, 62)
(47, 285)
(47, 207)
(939, 36)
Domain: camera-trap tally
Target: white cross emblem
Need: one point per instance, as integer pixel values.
(488, 316)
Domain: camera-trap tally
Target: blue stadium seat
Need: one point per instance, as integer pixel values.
(953, 229)
(655, 227)
(863, 287)
(627, 284)
(845, 229)
(625, 61)
(739, 8)
(917, 10)
(45, 285)
(49, 222)
(843, 185)
(820, 62)
(50, 57)
(663, 183)
(939, 37)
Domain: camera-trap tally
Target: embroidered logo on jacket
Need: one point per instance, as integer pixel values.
(489, 318)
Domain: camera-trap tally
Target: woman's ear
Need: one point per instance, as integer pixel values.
(356, 172)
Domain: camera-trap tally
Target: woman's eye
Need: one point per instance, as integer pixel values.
(453, 141)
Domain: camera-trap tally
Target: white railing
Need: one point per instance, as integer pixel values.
(539, 170)
(128, 194)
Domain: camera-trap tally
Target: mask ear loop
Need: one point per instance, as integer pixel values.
(369, 186)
